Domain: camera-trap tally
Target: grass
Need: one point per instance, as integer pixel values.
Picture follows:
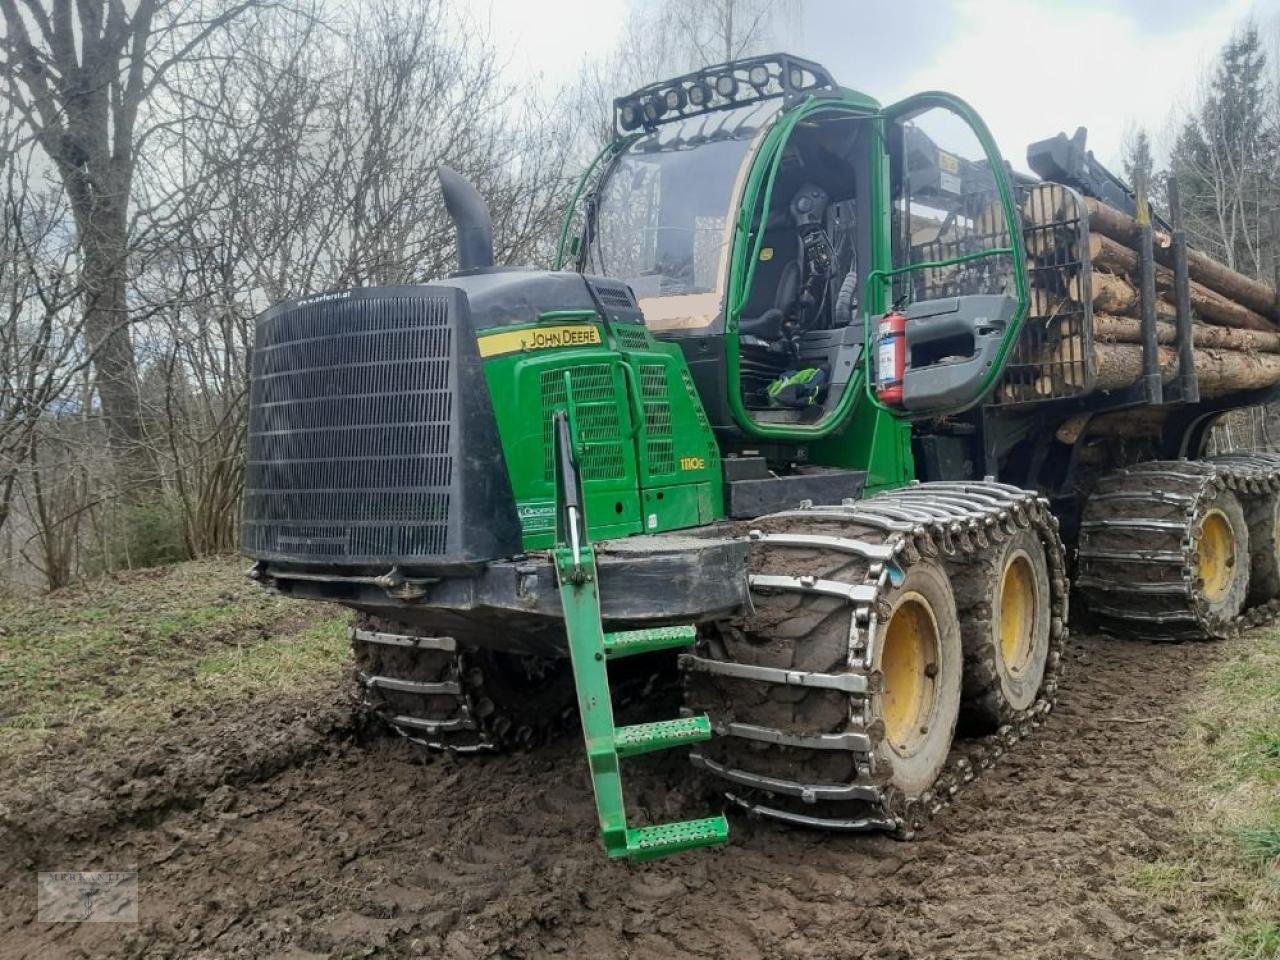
(1258, 941)
(126, 652)
(1229, 758)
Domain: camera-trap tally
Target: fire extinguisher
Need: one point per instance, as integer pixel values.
(891, 357)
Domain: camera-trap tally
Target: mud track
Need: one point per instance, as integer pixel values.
(362, 849)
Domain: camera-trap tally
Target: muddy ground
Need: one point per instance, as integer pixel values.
(325, 844)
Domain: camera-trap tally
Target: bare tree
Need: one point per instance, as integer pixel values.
(80, 75)
(310, 164)
(671, 37)
(721, 30)
(40, 349)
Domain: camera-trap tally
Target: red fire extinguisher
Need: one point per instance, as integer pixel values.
(891, 358)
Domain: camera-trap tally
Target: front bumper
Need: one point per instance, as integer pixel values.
(514, 605)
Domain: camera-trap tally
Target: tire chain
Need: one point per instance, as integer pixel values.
(467, 713)
(943, 520)
(458, 716)
(1116, 584)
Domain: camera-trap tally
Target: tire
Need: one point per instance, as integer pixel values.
(812, 633)
(1220, 545)
(1164, 552)
(923, 601)
(506, 702)
(1003, 599)
(1262, 515)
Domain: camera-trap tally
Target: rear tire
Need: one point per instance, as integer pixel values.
(1262, 515)
(1220, 541)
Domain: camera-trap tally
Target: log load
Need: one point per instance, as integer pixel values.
(1111, 329)
(1124, 229)
(1117, 296)
(1212, 307)
(1235, 320)
(1218, 371)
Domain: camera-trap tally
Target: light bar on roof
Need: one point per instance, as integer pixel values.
(720, 87)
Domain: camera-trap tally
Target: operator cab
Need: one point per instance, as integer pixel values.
(752, 224)
(663, 219)
(797, 329)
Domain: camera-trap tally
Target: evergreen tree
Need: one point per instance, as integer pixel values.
(1224, 154)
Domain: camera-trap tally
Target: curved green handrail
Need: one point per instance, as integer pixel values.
(918, 103)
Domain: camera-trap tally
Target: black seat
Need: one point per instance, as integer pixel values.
(775, 290)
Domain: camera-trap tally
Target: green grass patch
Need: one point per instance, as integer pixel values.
(1258, 940)
(1230, 759)
(1261, 845)
(278, 662)
(1163, 879)
(125, 651)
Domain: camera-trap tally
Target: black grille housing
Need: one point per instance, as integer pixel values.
(372, 439)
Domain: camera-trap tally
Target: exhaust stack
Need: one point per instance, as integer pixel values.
(470, 214)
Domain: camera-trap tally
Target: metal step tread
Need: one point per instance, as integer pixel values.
(661, 839)
(626, 643)
(660, 735)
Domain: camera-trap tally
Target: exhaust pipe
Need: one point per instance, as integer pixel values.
(470, 214)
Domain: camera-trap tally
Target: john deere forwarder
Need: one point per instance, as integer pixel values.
(752, 417)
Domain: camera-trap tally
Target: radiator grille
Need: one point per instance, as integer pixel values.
(350, 431)
(660, 447)
(613, 295)
(631, 338)
(596, 404)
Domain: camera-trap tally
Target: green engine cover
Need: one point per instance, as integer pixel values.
(647, 456)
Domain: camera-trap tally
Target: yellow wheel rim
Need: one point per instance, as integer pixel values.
(1017, 613)
(909, 663)
(1217, 554)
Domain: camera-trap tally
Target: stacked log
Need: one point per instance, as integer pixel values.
(1236, 320)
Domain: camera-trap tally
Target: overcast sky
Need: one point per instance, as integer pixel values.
(1030, 67)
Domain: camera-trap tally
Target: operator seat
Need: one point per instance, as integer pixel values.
(766, 349)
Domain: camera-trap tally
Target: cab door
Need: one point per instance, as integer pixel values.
(955, 267)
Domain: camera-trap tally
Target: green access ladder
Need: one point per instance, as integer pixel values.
(591, 649)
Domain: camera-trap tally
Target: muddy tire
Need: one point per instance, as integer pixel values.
(1164, 552)
(1003, 602)
(504, 701)
(1220, 541)
(1262, 515)
(921, 657)
(917, 649)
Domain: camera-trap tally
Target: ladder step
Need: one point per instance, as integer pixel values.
(644, 843)
(661, 735)
(626, 643)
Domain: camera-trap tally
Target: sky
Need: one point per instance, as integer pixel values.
(1031, 68)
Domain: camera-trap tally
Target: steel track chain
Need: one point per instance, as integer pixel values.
(1153, 590)
(892, 531)
(457, 713)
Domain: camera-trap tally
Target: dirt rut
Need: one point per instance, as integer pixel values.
(366, 850)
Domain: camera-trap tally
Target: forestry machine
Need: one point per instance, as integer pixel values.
(781, 413)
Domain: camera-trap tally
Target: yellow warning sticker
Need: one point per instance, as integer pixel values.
(766, 253)
(538, 338)
(947, 162)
